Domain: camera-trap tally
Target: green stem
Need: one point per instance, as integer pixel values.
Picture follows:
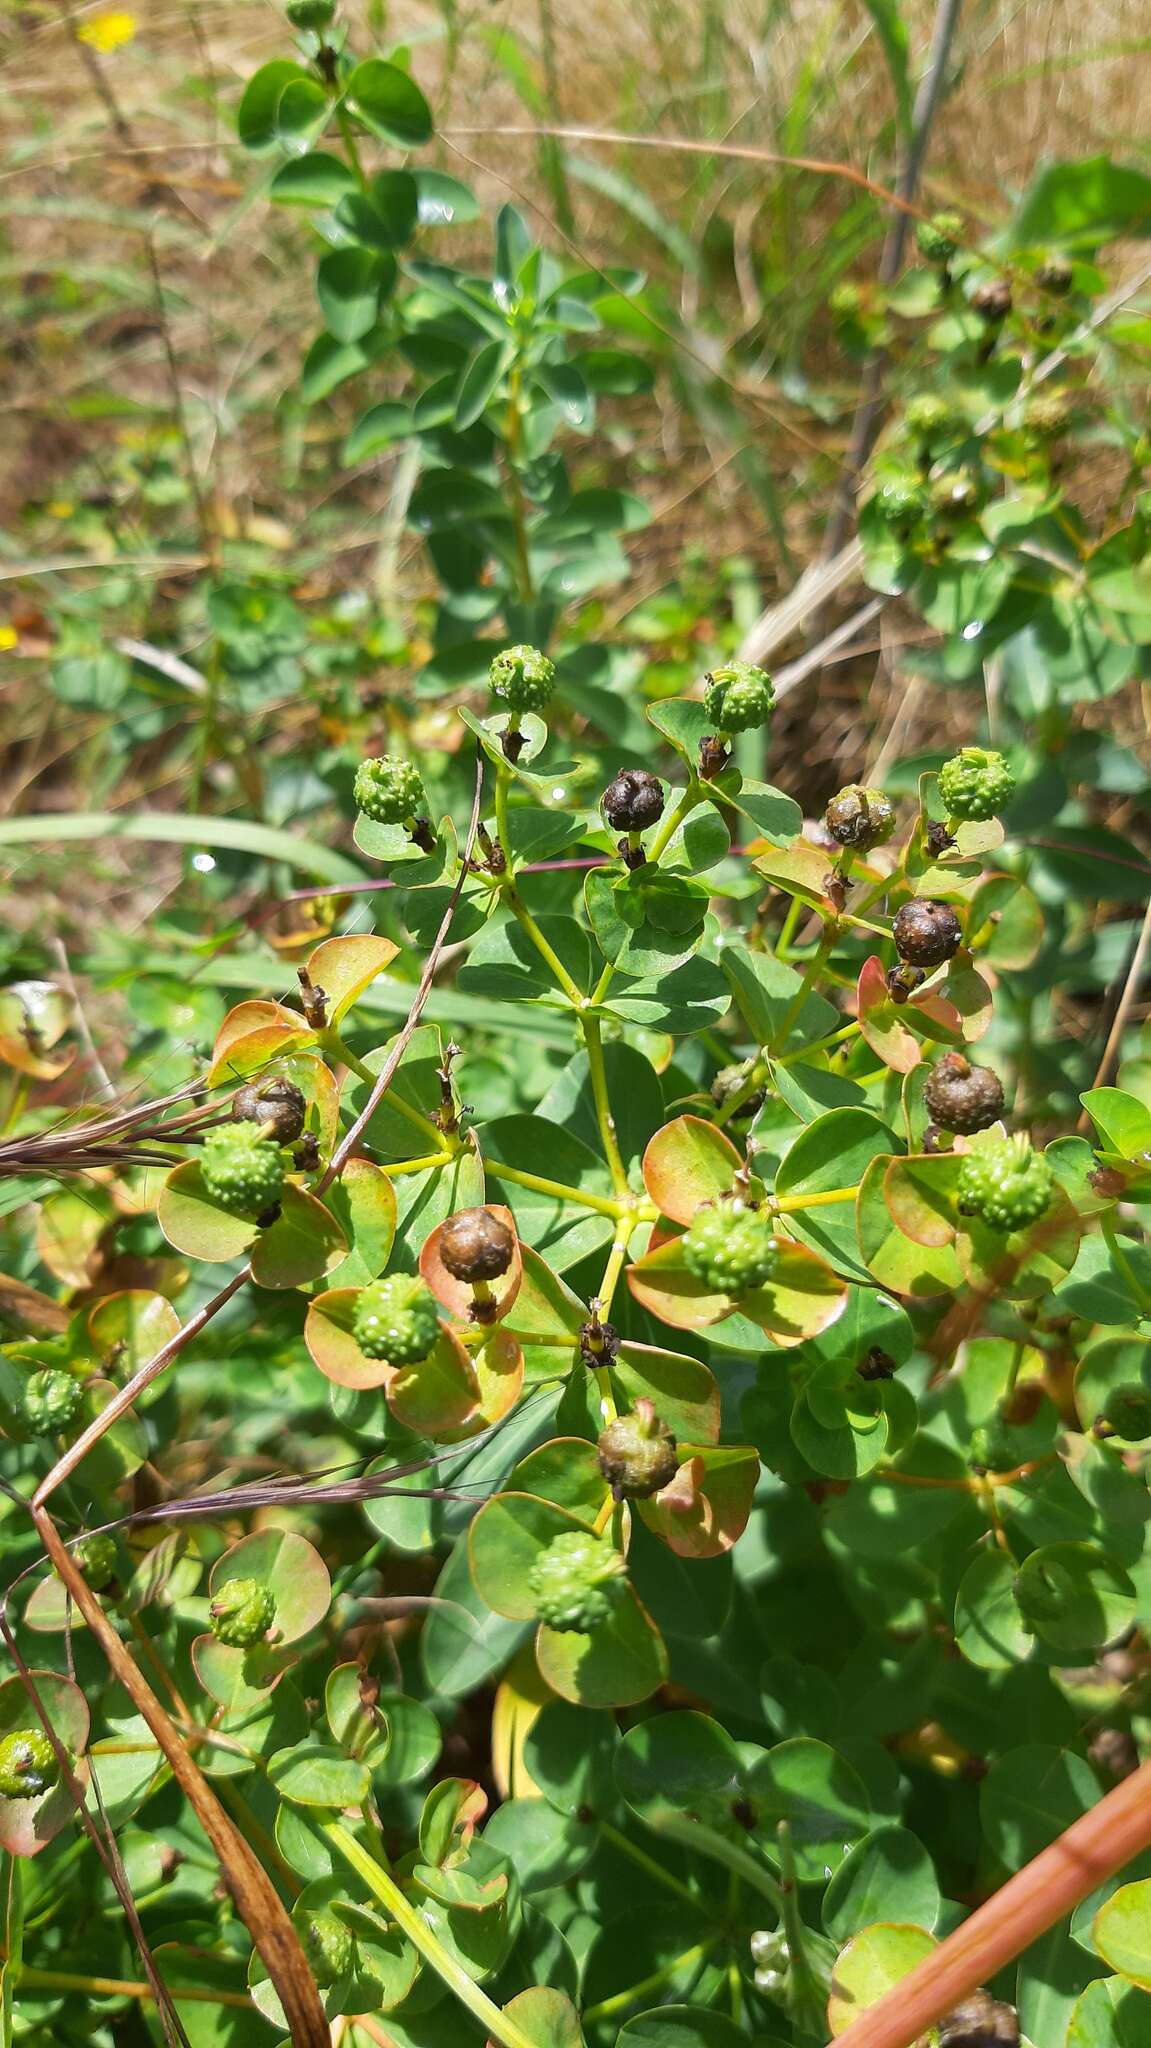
(806, 1988)
(792, 916)
(503, 786)
(122, 1987)
(546, 951)
(402, 1166)
(695, 1835)
(411, 1922)
(349, 141)
(804, 1052)
(671, 824)
(593, 1041)
(332, 1043)
(655, 1870)
(606, 1205)
(620, 2000)
(810, 975)
(1142, 1294)
(787, 1205)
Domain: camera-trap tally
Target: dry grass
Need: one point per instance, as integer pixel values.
(95, 157)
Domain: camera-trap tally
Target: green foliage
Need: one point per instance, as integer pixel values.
(620, 1446)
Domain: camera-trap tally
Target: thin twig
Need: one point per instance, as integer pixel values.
(1123, 1009)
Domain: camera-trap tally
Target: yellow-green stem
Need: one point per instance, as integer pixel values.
(546, 952)
(411, 1922)
(593, 1040)
(333, 1044)
(503, 787)
(787, 1205)
(606, 1205)
(671, 824)
(608, 2007)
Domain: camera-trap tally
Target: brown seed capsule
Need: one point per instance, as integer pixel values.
(1056, 275)
(475, 1245)
(980, 2022)
(632, 801)
(926, 932)
(277, 1102)
(961, 1097)
(859, 817)
(637, 1453)
(992, 301)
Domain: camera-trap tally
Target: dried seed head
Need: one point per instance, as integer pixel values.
(632, 801)
(926, 932)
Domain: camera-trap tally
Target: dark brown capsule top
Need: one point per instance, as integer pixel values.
(475, 1245)
(278, 1102)
(961, 1097)
(926, 933)
(633, 800)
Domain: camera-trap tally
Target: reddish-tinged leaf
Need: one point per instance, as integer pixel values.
(704, 1510)
(195, 1224)
(803, 1298)
(972, 998)
(498, 1370)
(293, 1571)
(898, 1264)
(440, 1394)
(129, 1328)
(885, 1025)
(1027, 1264)
(364, 1202)
(345, 967)
(456, 1295)
(920, 1196)
(661, 1282)
(802, 870)
(331, 1345)
(28, 1825)
(687, 1163)
(303, 1244)
(253, 1034)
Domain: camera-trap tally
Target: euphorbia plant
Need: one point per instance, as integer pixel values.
(583, 1341)
(648, 1529)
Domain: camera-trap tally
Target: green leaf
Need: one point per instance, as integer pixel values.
(314, 1775)
(873, 1961)
(989, 1629)
(444, 201)
(383, 217)
(1122, 1121)
(256, 116)
(623, 1662)
(315, 179)
(237, 835)
(350, 284)
(1074, 1596)
(328, 364)
(1110, 2014)
(1030, 1796)
(380, 427)
(889, 1871)
(820, 1796)
(764, 988)
(1081, 204)
(1122, 1932)
(390, 103)
(891, 28)
(683, 2026)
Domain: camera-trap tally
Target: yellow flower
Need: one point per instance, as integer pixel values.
(110, 31)
(9, 637)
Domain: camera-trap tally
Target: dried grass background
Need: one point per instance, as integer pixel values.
(98, 155)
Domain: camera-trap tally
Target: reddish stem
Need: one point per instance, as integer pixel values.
(1044, 1891)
